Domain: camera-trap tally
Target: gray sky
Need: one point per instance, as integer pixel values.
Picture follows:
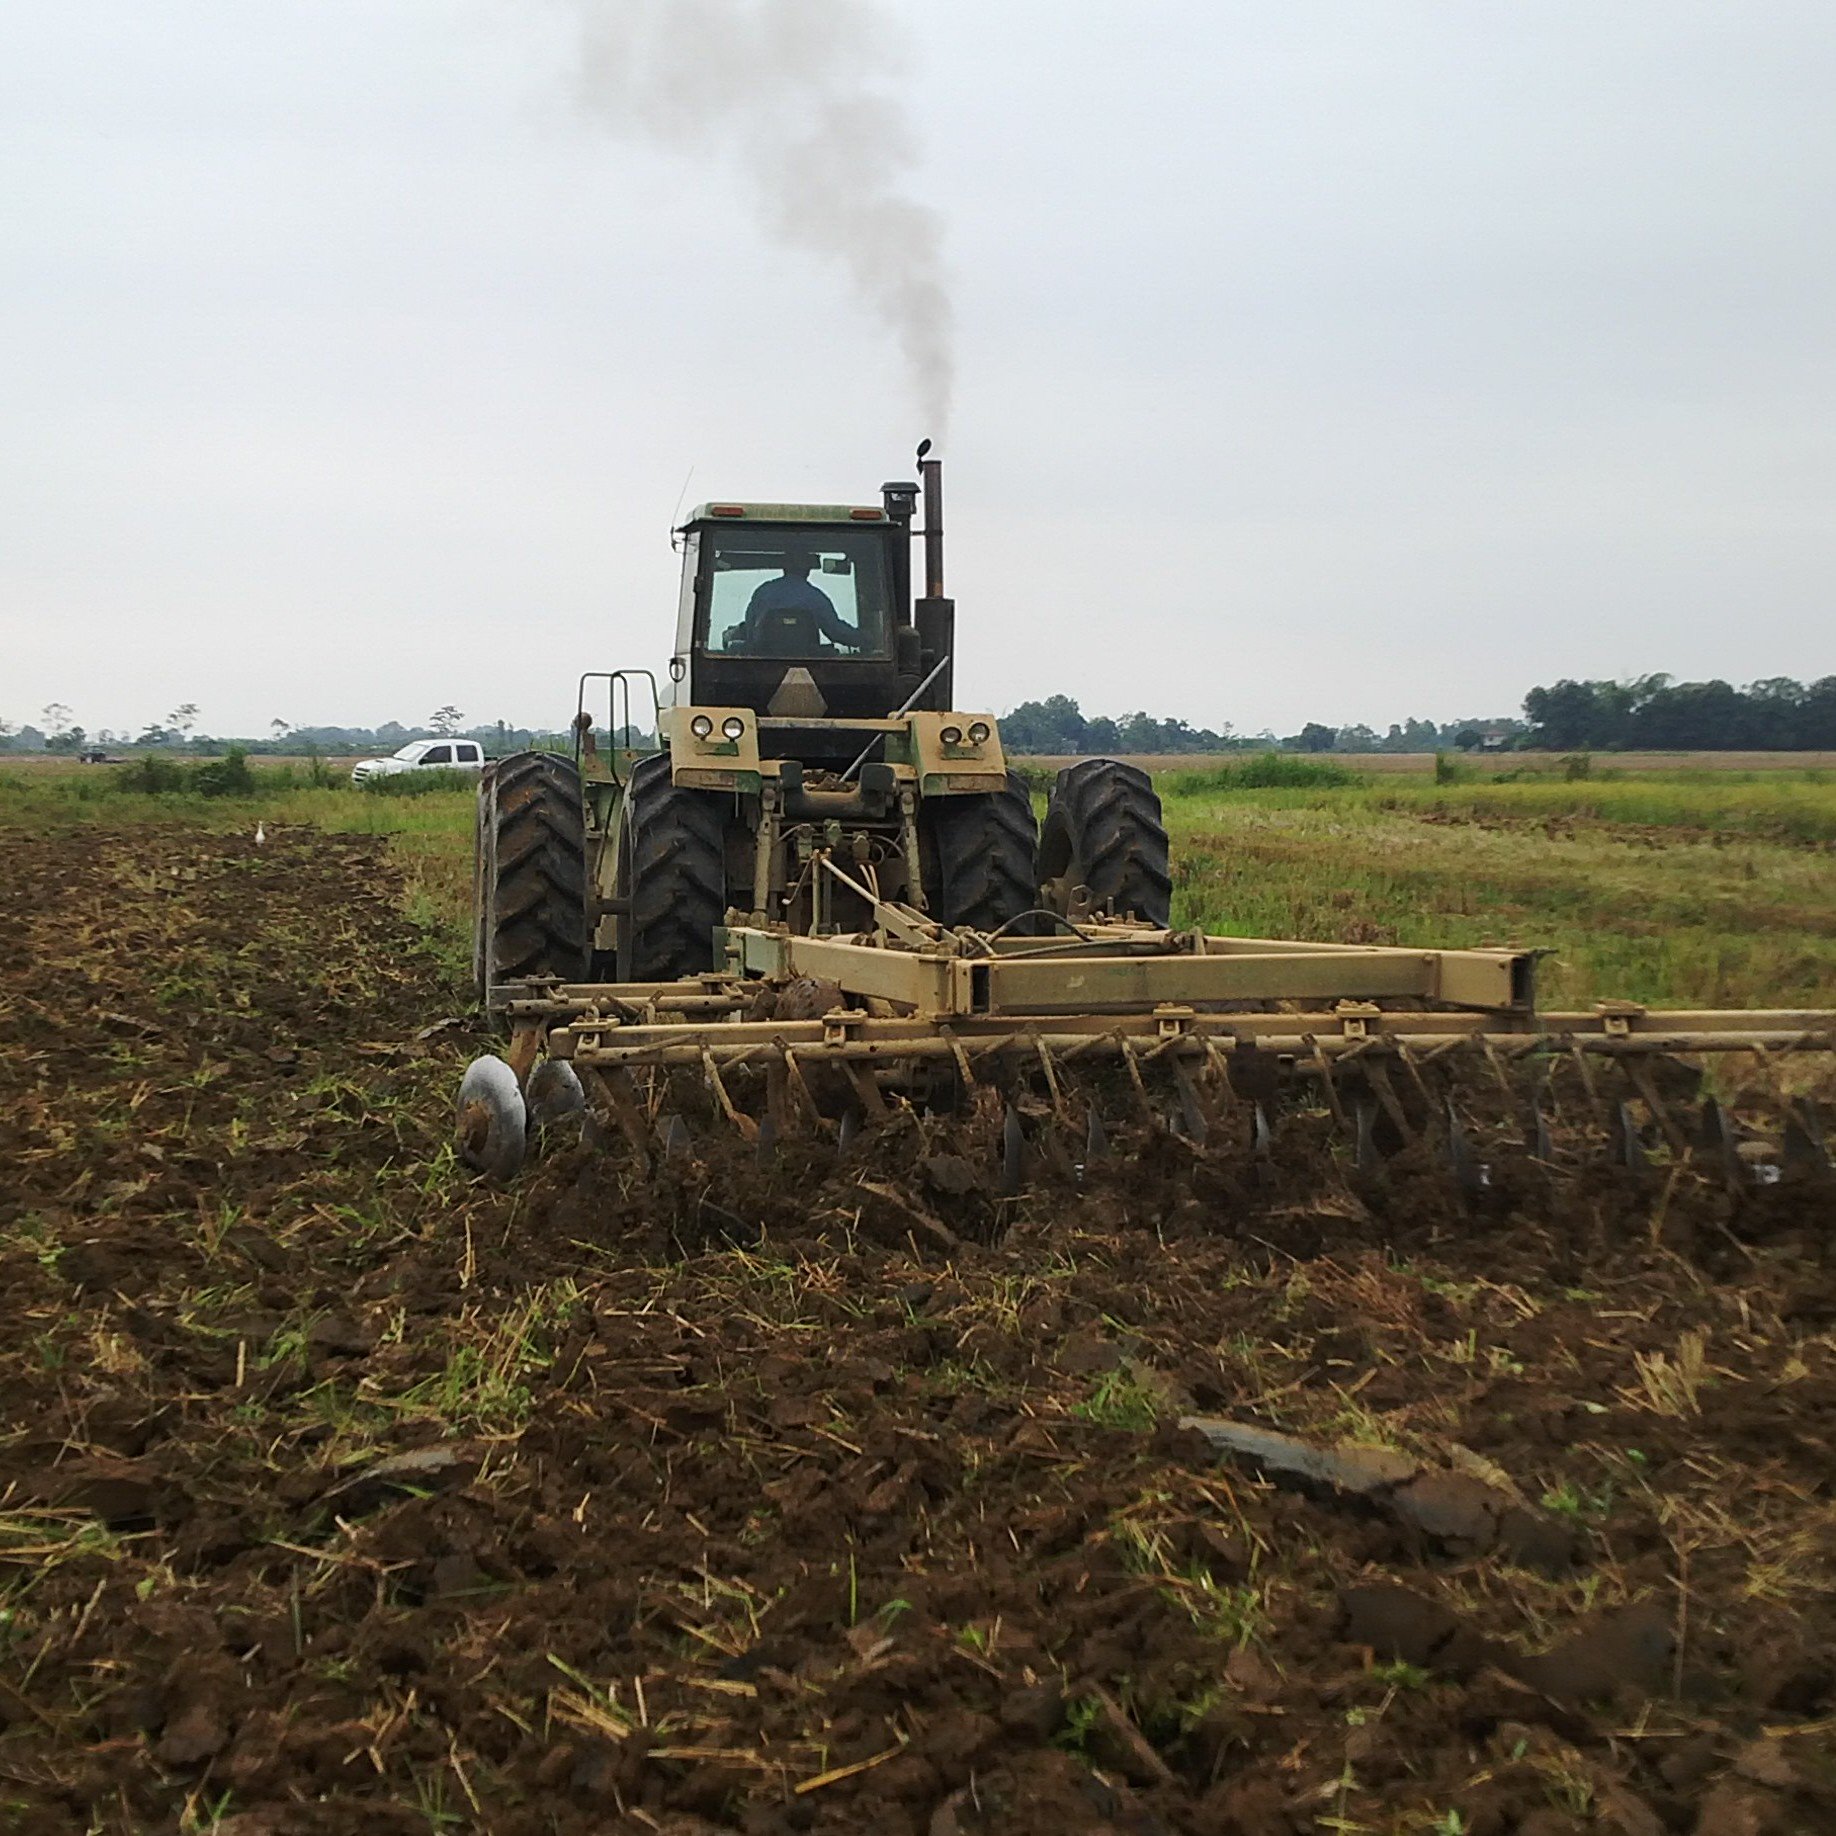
(1321, 361)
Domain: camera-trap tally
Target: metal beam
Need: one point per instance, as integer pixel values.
(930, 983)
(857, 1037)
(1071, 983)
(1122, 970)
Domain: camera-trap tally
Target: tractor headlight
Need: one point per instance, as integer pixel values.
(951, 736)
(701, 726)
(732, 727)
(979, 731)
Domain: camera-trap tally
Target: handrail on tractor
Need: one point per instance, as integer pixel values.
(618, 691)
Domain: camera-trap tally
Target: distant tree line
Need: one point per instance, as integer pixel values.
(1648, 713)
(1656, 714)
(57, 731)
(1059, 725)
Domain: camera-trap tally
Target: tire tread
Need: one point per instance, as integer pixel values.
(1104, 828)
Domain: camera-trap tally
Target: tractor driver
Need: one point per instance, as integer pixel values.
(782, 610)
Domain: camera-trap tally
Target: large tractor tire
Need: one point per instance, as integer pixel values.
(672, 875)
(978, 856)
(529, 877)
(1103, 831)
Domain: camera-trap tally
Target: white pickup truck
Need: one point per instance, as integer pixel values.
(423, 755)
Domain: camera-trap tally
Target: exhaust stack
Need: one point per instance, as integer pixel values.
(930, 472)
(932, 613)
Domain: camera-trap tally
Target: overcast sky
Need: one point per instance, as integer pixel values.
(1313, 361)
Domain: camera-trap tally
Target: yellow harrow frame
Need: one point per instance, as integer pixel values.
(1239, 1016)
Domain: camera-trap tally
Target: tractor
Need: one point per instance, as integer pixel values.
(810, 721)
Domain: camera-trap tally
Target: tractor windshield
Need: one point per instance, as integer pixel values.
(796, 591)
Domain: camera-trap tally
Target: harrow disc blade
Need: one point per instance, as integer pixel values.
(1714, 1140)
(1096, 1137)
(1191, 1112)
(1804, 1154)
(1627, 1149)
(1471, 1175)
(1712, 1131)
(1013, 1153)
(1262, 1137)
(1366, 1156)
(1539, 1143)
(554, 1091)
(491, 1120)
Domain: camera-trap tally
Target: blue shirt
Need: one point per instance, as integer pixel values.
(789, 594)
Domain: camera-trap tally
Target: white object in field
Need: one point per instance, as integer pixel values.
(492, 1121)
(261, 834)
(423, 755)
(553, 1091)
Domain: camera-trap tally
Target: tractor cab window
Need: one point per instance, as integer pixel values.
(807, 591)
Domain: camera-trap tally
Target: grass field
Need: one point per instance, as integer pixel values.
(1712, 891)
(1706, 888)
(1528, 764)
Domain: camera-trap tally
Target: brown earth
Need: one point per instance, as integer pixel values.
(838, 1491)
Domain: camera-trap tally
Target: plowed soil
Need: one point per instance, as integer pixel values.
(838, 1490)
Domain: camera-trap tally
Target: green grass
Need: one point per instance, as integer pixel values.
(1683, 889)
(1263, 771)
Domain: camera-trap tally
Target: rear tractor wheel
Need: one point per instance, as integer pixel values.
(529, 873)
(1103, 832)
(978, 856)
(672, 875)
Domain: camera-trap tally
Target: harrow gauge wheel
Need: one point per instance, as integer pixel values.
(1103, 831)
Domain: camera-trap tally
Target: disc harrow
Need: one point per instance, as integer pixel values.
(1044, 1050)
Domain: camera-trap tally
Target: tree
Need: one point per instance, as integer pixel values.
(1315, 738)
(1815, 728)
(1687, 717)
(1657, 712)
(1563, 718)
(1467, 738)
(183, 718)
(445, 721)
(279, 729)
